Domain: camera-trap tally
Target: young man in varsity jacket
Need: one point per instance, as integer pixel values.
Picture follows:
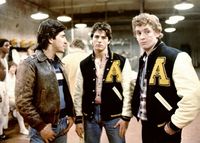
(166, 96)
(102, 94)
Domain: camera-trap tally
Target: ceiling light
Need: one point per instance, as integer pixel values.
(184, 5)
(176, 18)
(64, 18)
(2, 2)
(80, 25)
(170, 29)
(171, 21)
(39, 16)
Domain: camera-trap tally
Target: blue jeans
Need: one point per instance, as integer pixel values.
(93, 129)
(36, 138)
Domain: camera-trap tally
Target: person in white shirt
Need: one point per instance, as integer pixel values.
(10, 90)
(4, 105)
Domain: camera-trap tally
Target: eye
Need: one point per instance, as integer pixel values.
(138, 33)
(103, 37)
(147, 31)
(96, 37)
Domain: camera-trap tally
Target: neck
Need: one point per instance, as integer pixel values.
(102, 54)
(152, 48)
(11, 74)
(49, 52)
(2, 55)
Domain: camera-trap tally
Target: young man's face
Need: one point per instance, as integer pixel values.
(146, 36)
(60, 42)
(100, 41)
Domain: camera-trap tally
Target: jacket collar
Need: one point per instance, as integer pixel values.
(155, 48)
(42, 57)
(110, 54)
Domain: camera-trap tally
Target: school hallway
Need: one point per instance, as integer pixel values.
(190, 133)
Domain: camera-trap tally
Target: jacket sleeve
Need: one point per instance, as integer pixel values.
(78, 93)
(127, 77)
(25, 81)
(188, 88)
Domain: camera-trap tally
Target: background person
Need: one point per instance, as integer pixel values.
(77, 52)
(10, 91)
(4, 101)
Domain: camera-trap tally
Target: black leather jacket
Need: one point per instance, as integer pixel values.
(37, 93)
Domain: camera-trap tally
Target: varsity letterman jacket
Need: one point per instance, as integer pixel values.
(172, 88)
(115, 96)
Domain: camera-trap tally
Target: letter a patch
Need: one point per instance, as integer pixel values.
(159, 73)
(114, 72)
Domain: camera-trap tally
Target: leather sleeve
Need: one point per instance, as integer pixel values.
(25, 81)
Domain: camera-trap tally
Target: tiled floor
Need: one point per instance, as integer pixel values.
(190, 133)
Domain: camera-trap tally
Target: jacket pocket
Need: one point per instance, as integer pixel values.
(163, 101)
(117, 92)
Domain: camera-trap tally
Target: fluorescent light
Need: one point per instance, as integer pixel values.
(170, 29)
(174, 19)
(171, 21)
(80, 25)
(2, 2)
(64, 18)
(184, 5)
(177, 17)
(39, 16)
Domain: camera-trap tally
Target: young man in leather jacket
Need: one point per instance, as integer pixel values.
(42, 94)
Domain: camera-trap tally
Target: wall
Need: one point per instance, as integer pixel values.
(15, 22)
(188, 34)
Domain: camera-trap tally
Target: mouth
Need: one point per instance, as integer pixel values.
(142, 43)
(98, 45)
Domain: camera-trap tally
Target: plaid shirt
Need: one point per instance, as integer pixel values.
(142, 113)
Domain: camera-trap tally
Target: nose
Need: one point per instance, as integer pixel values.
(65, 40)
(142, 35)
(99, 39)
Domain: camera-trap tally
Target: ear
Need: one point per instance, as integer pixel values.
(157, 34)
(51, 40)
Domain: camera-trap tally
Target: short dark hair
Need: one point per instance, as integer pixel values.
(2, 41)
(77, 43)
(48, 29)
(11, 63)
(104, 27)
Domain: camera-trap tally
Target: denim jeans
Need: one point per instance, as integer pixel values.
(93, 129)
(36, 138)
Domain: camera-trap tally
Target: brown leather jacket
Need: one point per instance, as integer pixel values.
(37, 93)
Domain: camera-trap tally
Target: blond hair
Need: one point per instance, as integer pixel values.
(147, 19)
